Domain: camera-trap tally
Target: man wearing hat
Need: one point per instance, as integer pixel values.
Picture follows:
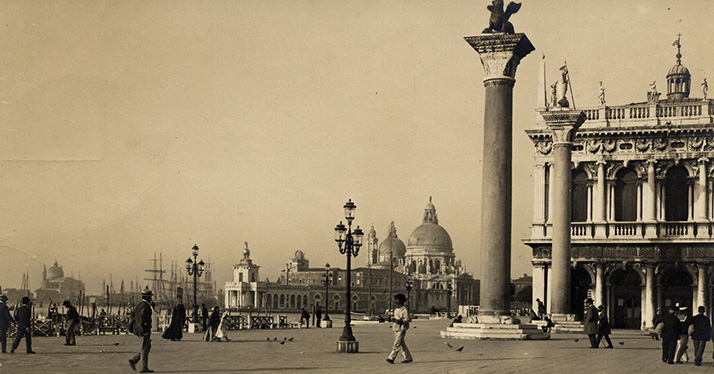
(142, 329)
(681, 350)
(23, 317)
(72, 323)
(590, 322)
(670, 334)
(5, 319)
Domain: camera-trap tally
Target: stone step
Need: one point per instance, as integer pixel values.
(496, 335)
(493, 326)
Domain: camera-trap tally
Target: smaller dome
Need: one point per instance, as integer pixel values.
(392, 244)
(678, 70)
(299, 256)
(55, 272)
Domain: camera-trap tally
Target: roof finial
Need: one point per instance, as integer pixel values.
(430, 199)
(679, 46)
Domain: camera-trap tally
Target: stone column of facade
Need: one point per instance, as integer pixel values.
(649, 202)
(563, 125)
(701, 287)
(539, 284)
(649, 307)
(701, 212)
(599, 202)
(500, 55)
(538, 229)
(600, 283)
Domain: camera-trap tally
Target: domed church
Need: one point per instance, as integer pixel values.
(428, 260)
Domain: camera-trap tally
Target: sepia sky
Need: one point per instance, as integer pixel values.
(129, 128)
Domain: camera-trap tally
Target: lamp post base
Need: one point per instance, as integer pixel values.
(326, 324)
(348, 346)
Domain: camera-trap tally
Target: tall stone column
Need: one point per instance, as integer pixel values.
(701, 286)
(649, 309)
(562, 124)
(538, 227)
(500, 55)
(599, 206)
(701, 212)
(538, 284)
(600, 283)
(649, 214)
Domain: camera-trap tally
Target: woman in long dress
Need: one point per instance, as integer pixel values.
(175, 330)
(221, 332)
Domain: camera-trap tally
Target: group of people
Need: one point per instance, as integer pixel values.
(23, 322)
(675, 329)
(596, 324)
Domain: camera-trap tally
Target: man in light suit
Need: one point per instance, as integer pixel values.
(142, 329)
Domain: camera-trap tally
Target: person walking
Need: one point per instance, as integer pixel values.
(222, 330)
(541, 309)
(142, 329)
(178, 317)
(681, 351)
(204, 317)
(5, 320)
(213, 321)
(701, 331)
(318, 316)
(23, 317)
(400, 325)
(670, 334)
(603, 327)
(72, 323)
(590, 322)
(306, 317)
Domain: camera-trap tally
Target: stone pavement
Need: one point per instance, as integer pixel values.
(313, 351)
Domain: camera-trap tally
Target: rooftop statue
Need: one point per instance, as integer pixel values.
(499, 19)
(705, 88)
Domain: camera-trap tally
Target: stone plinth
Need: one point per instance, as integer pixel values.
(326, 324)
(494, 331)
(347, 347)
(500, 54)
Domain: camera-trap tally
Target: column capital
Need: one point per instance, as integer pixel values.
(702, 160)
(601, 162)
(500, 54)
(563, 123)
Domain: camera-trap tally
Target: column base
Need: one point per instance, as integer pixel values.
(348, 347)
(496, 331)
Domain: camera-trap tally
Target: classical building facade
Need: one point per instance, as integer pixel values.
(642, 182)
(56, 287)
(427, 265)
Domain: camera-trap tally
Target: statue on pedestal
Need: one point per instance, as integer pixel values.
(705, 88)
(499, 19)
(652, 94)
(601, 94)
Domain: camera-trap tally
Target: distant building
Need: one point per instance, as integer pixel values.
(56, 287)
(428, 262)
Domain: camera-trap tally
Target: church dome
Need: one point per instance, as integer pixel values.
(392, 243)
(429, 236)
(299, 255)
(678, 79)
(679, 70)
(55, 272)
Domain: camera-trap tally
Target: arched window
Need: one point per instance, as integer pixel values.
(318, 300)
(355, 302)
(676, 195)
(304, 300)
(269, 299)
(336, 300)
(626, 195)
(437, 266)
(292, 301)
(579, 197)
(282, 301)
(299, 302)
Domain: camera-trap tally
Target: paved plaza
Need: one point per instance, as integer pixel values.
(313, 351)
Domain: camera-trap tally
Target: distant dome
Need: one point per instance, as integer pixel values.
(299, 256)
(678, 79)
(55, 272)
(429, 236)
(392, 243)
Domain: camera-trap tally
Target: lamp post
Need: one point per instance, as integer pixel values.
(326, 280)
(195, 268)
(448, 299)
(410, 285)
(348, 243)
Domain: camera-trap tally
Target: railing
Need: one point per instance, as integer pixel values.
(633, 230)
(581, 230)
(626, 229)
(676, 229)
(644, 111)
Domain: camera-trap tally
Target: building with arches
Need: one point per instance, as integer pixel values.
(438, 281)
(641, 205)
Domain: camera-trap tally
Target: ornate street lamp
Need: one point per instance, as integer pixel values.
(326, 280)
(195, 268)
(410, 285)
(348, 242)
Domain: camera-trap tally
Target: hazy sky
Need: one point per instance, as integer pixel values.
(134, 127)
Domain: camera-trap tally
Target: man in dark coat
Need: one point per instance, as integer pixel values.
(213, 321)
(142, 329)
(670, 334)
(305, 316)
(700, 335)
(72, 323)
(590, 322)
(23, 317)
(5, 319)
(603, 327)
(204, 316)
(318, 316)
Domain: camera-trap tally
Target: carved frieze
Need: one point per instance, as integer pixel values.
(544, 147)
(636, 252)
